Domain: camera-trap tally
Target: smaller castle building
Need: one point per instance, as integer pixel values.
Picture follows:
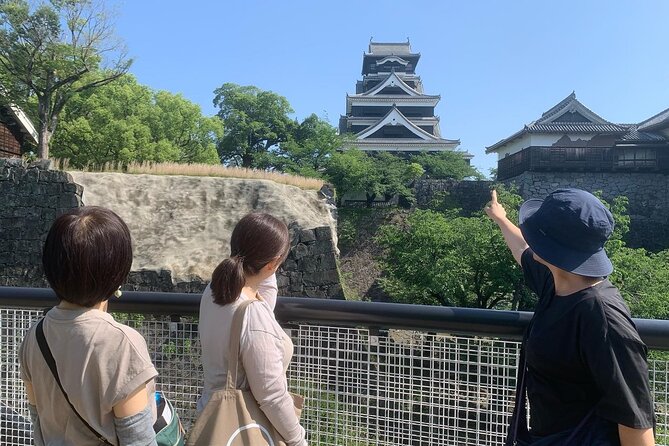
(569, 137)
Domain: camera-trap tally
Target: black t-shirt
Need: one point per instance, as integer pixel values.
(583, 351)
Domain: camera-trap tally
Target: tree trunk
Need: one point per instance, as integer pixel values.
(247, 160)
(44, 134)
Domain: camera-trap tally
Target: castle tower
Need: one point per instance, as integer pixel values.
(390, 111)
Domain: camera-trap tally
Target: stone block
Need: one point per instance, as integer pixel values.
(282, 280)
(68, 201)
(307, 235)
(335, 292)
(319, 278)
(300, 251)
(308, 264)
(289, 265)
(315, 292)
(323, 233)
(322, 247)
(327, 261)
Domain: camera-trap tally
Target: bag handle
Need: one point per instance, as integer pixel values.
(233, 350)
(48, 357)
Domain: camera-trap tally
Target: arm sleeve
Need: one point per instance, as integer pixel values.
(132, 358)
(23, 364)
(136, 430)
(261, 352)
(618, 364)
(537, 276)
(268, 290)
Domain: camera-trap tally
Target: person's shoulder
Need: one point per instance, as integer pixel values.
(259, 318)
(605, 303)
(118, 335)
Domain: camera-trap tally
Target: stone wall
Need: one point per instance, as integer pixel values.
(470, 196)
(311, 267)
(31, 196)
(648, 195)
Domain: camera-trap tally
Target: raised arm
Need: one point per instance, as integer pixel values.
(512, 235)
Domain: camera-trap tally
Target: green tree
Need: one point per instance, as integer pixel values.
(642, 277)
(351, 171)
(53, 52)
(446, 165)
(256, 122)
(394, 176)
(308, 151)
(443, 259)
(125, 121)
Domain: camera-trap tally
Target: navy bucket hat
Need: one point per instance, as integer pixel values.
(568, 229)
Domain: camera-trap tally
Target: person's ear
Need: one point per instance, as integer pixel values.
(274, 264)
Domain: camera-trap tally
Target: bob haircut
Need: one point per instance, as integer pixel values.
(87, 255)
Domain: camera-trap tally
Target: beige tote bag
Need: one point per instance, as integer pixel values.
(232, 416)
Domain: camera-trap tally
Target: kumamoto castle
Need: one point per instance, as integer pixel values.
(390, 111)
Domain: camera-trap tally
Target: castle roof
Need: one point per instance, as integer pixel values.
(568, 116)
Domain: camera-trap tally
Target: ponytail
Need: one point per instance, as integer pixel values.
(228, 280)
(256, 240)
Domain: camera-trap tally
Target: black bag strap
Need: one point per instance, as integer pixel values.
(48, 357)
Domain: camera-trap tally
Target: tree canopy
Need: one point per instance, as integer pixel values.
(442, 259)
(255, 122)
(446, 165)
(54, 51)
(125, 121)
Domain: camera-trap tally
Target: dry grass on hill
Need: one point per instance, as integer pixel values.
(202, 170)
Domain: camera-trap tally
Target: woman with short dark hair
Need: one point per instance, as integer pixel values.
(104, 367)
(258, 246)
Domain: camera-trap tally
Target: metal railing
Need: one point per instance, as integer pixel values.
(372, 373)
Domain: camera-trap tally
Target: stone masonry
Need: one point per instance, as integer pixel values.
(648, 195)
(470, 196)
(32, 196)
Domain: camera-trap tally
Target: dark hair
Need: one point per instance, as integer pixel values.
(256, 240)
(87, 255)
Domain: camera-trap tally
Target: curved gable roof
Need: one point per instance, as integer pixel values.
(395, 117)
(392, 80)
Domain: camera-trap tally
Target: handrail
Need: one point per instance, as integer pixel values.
(471, 321)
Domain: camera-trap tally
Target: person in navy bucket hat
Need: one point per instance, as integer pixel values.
(582, 366)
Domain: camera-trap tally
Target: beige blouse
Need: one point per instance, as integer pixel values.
(265, 353)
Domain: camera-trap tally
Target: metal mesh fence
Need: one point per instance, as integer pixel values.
(362, 386)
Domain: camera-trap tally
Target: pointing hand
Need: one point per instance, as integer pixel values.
(494, 209)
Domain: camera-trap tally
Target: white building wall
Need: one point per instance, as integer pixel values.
(537, 140)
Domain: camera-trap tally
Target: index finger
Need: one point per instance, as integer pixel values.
(493, 193)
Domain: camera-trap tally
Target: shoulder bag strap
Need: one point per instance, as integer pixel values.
(233, 350)
(48, 357)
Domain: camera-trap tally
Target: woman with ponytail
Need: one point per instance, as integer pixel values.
(258, 246)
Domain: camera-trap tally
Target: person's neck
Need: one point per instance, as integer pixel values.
(567, 283)
(65, 305)
(251, 286)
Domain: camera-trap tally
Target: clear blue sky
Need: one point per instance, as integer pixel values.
(496, 64)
